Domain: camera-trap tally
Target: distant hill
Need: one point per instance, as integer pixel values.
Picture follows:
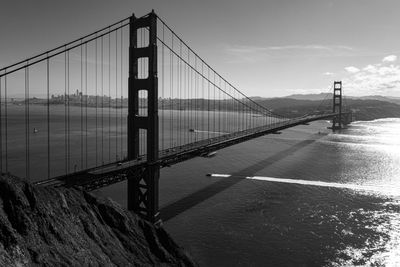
(373, 109)
(322, 96)
(390, 99)
(365, 109)
(315, 97)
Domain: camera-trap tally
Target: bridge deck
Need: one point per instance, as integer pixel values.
(112, 173)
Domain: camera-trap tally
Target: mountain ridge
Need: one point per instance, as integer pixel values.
(322, 96)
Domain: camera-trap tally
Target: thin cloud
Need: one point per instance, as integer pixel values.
(307, 91)
(391, 58)
(352, 69)
(250, 49)
(370, 68)
(310, 47)
(246, 53)
(328, 73)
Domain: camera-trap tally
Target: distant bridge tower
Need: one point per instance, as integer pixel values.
(337, 105)
(143, 184)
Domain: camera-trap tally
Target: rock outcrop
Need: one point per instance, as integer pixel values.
(68, 227)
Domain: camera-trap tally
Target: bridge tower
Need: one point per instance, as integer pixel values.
(337, 105)
(143, 185)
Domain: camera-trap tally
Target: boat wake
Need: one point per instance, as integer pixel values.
(386, 190)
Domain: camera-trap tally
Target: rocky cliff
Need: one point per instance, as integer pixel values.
(67, 227)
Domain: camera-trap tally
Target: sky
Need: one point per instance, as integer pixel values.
(265, 48)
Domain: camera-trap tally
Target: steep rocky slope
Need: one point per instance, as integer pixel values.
(67, 227)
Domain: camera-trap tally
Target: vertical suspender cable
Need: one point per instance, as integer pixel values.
(172, 93)
(179, 92)
(185, 100)
(109, 96)
(208, 102)
(29, 132)
(68, 116)
(188, 105)
(238, 114)
(65, 114)
(116, 95)
(6, 121)
(48, 117)
(86, 107)
(190, 118)
(102, 101)
(27, 122)
(81, 106)
(214, 108)
(225, 124)
(195, 97)
(163, 88)
(219, 107)
(122, 95)
(190, 99)
(203, 99)
(96, 100)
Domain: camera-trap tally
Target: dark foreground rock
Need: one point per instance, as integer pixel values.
(68, 227)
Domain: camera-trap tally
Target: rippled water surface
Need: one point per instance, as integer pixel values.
(307, 197)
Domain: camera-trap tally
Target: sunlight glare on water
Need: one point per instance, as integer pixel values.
(372, 161)
(373, 149)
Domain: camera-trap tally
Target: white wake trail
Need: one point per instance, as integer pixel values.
(387, 190)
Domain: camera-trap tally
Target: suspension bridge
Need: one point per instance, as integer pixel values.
(122, 103)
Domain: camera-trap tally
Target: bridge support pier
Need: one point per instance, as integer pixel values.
(337, 123)
(143, 188)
